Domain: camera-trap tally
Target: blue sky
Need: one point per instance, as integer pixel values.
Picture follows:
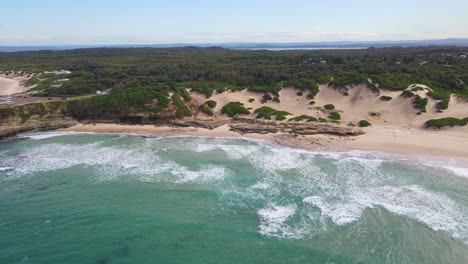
(54, 22)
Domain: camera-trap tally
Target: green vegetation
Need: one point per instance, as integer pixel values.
(251, 100)
(407, 94)
(267, 112)
(335, 116)
(120, 102)
(329, 107)
(303, 117)
(448, 121)
(415, 89)
(304, 84)
(385, 98)
(300, 94)
(444, 104)
(420, 103)
(180, 107)
(211, 104)
(207, 110)
(374, 114)
(364, 123)
(312, 102)
(155, 72)
(266, 98)
(183, 92)
(322, 120)
(233, 109)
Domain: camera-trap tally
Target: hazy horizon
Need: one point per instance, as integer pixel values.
(105, 22)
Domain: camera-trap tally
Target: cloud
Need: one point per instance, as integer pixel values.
(315, 35)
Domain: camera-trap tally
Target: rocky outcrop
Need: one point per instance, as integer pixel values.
(6, 131)
(293, 128)
(208, 124)
(40, 116)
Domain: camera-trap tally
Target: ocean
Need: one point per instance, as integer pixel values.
(94, 198)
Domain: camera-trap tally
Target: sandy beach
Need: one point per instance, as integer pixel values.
(397, 128)
(398, 140)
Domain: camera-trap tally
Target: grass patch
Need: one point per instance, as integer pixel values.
(303, 117)
(267, 112)
(234, 108)
(447, 121)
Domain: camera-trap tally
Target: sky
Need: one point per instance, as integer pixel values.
(89, 22)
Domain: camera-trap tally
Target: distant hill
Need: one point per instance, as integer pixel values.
(266, 45)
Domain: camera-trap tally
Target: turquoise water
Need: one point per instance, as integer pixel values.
(85, 198)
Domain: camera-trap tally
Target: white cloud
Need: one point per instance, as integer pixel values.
(218, 37)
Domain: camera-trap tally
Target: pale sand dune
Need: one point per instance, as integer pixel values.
(12, 84)
(398, 129)
(357, 106)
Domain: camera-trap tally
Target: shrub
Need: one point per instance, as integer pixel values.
(329, 107)
(266, 98)
(364, 123)
(334, 116)
(322, 120)
(251, 100)
(206, 88)
(447, 121)
(300, 93)
(312, 102)
(207, 110)
(304, 84)
(234, 108)
(407, 94)
(181, 108)
(420, 103)
(183, 92)
(267, 112)
(276, 99)
(385, 98)
(442, 105)
(211, 104)
(374, 114)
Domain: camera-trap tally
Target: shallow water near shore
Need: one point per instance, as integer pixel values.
(89, 198)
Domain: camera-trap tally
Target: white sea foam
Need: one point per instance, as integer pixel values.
(273, 220)
(341, 185)
(437, 211)
(206, 174)
(45, 135)
(6, 169)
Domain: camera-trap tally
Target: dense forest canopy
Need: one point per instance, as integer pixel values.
(444, 69)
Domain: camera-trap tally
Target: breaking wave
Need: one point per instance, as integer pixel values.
(294, 193)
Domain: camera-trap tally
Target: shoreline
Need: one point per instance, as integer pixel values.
(448, 143)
